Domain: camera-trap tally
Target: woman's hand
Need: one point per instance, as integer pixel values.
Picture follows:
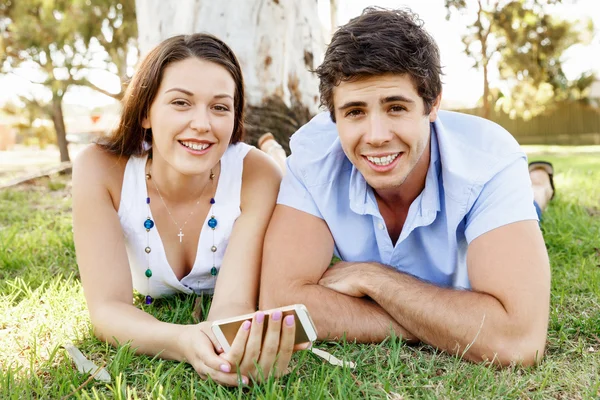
(201, 349)
(257, 358)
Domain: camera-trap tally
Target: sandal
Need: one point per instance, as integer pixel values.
(546, 166)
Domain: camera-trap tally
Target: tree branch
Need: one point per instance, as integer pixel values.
(86, 82)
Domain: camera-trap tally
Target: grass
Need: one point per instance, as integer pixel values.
(42, 307)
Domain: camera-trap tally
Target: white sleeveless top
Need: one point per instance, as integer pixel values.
(133, 211)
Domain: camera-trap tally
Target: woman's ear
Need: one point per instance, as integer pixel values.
(146, 123)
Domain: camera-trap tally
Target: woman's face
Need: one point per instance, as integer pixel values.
(192, 116)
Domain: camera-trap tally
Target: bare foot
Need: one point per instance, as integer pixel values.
(269, 145)
(542, 188)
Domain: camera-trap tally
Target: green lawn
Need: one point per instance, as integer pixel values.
(42, 307)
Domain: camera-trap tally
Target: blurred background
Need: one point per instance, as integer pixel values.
(533, 66)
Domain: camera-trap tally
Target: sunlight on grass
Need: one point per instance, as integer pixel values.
(560, 150)
(42, 308)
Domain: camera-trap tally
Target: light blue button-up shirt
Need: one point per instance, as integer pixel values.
(477, 181)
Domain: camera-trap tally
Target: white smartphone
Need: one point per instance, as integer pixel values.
(226, 329)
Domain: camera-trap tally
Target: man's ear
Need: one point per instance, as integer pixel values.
(435, 108)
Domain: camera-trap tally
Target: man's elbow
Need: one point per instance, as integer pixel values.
(268, 299)
(521, 351)
(280, 295)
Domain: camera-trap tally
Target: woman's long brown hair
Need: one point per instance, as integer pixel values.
(129, 136)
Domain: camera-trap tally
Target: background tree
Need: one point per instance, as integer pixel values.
(32, 124)
(333, 14)
(64, 41)
(477, 41)
(527, 43)
(531, 44)
(276, 41)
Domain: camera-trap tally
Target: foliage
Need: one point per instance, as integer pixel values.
(33, 126)
(42, 307)
(527, 42)
(63, 41)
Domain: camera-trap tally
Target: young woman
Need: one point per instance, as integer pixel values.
(175, 202)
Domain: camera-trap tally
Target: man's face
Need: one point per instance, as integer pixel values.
(383, 127)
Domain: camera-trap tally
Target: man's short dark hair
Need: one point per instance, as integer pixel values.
(380, 42)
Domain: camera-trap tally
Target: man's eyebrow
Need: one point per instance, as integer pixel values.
(352, 104)
(391, 99)
(180, 90)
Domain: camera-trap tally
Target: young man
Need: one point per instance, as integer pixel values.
(431, 212)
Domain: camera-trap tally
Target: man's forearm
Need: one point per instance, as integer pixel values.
(336, 314)
(474, 325)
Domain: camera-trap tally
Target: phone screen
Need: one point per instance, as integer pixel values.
(230, 329)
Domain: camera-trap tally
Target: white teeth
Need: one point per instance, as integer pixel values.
(195, 145)
(383, 160)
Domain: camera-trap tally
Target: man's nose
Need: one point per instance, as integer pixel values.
(379, 131)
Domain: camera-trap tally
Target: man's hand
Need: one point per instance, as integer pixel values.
(346, 278)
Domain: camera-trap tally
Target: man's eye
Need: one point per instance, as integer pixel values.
(353, 113)
(397, 108)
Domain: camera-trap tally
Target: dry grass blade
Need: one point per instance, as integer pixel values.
(86, 366)
(88, 380)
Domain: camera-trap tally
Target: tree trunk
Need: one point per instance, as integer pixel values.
(333, 14)
(277, 42)
(483, 34)
(486, 91)
(59, 126)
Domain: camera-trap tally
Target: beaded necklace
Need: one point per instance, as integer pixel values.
(149, 224)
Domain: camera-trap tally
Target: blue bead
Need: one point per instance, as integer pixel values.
(147, 200)
(212, 222)
(213, 271)
(149, 299)
(212, 201)
(148, 224)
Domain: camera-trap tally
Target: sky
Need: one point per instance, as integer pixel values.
(462, 83)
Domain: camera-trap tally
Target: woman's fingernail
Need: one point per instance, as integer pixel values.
(260, 317)
(289, 320)
(246, 325)
(276, 316)
(244, 380)
(225, 368)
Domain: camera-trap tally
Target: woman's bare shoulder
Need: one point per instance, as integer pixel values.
(95, 166)
(260, 179)
(259, 166)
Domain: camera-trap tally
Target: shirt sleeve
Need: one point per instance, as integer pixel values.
(506, 198)
(293, 191)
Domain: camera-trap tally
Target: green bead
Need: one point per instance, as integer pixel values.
(148, 273)
(213, 271)
(148, 249)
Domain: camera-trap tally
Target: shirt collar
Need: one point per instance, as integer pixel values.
(430, 197)
(362, 198)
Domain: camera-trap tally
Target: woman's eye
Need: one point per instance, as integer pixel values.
(180, 103)
(221, 108)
